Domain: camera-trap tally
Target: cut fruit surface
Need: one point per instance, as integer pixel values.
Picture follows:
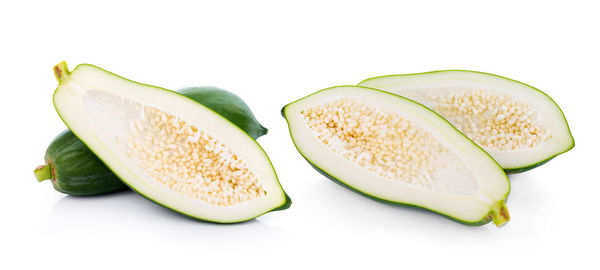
(518, 125)
(393, 149)
(168, 147)
(74, 169)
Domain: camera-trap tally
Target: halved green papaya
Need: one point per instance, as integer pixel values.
(518, 125)
(395, 150)
(167, 147)
(75, 170)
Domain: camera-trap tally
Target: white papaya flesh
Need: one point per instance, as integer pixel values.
(395, 150)
(168, 147)
(518, 125)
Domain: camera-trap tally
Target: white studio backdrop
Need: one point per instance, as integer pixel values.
(271, 53)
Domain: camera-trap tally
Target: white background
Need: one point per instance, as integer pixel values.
(271, 53)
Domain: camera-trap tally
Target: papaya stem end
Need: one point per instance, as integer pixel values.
(500, 214)
(43, 172)
(61, 70)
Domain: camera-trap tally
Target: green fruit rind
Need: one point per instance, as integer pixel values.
(284, 205)
(74, 169)
(498, 213)
(509, 170)
(533, 166)
(229, 105)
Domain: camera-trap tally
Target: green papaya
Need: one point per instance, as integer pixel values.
(397, 151)
(520, 126)
(167, 147)
(229, 105)
(75, 170)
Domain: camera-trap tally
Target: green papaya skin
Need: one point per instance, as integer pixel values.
(229, 105)
(75, 170)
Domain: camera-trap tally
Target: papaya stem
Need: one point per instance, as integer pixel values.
(500, 214)
(43, 172)
(61, 71)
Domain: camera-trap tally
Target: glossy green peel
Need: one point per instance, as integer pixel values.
(73, 169)
(229, 105)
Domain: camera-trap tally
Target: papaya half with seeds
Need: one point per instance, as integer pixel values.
(75, 170)
(168, 147)
(394, 150)
(520, 126)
